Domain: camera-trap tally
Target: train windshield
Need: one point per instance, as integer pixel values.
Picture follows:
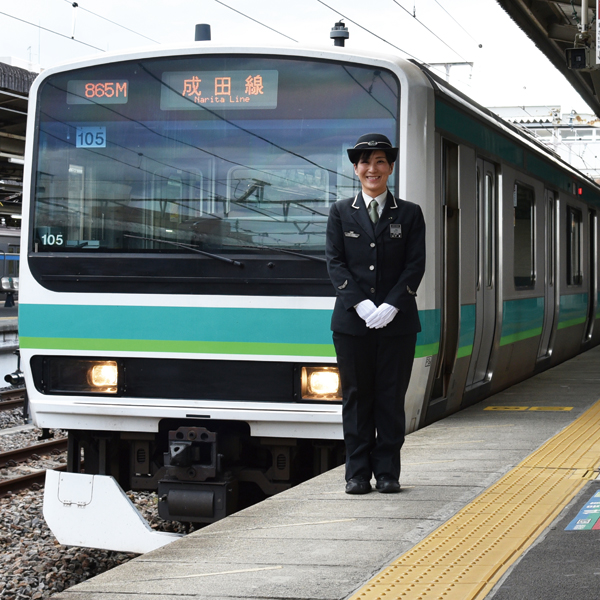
(213, 153)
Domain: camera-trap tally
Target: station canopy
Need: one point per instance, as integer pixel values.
(554, 27)
(15, 84)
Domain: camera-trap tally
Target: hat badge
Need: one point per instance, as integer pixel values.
(372, 143)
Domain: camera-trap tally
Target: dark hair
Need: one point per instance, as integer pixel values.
(390, 155)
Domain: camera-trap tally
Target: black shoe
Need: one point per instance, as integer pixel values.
(387, 486)
(358, 486)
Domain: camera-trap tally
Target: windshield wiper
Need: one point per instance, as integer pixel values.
(284, 251)
(301, 254)
(236, 263)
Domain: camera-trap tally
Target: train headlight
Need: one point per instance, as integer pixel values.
(321, 383)
(71, 375)
(104, 377)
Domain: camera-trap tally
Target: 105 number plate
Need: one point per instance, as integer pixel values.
(90, 137)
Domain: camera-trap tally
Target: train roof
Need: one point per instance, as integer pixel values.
(521, 134)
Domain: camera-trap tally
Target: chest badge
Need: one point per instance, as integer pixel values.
(351, 234)
(396, 231)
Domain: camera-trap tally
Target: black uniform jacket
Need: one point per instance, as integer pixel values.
(383, 263)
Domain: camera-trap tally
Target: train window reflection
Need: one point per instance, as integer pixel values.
(523, 236)
(170, 179)
(574, 240)
(489, 229)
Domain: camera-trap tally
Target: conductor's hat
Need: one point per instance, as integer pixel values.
(372, 141)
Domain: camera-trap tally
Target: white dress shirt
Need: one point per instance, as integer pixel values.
(380, 201)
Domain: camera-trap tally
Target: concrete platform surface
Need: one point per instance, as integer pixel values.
(315, 542)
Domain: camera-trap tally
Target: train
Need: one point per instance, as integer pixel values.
(10, 241)
(175, 305)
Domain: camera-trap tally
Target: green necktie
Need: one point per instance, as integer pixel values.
(373, 214)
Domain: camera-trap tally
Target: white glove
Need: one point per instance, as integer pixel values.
(382, 316)
(365, 309)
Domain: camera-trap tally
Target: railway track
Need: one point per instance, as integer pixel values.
(13, 458)
(12, 393)
(12, 398)
(30, 480)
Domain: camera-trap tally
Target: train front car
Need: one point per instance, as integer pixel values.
(175, 302)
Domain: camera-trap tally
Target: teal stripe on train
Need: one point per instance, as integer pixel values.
(467, 330)
(522, 319)
(573, 310)
(428, 340)
(467, 128)
(261, 331)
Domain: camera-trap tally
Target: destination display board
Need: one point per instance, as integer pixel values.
(219, 90)
(82, 91)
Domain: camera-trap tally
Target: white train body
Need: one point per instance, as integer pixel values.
(173, 282)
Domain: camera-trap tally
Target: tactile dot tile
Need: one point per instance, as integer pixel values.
(467, 555)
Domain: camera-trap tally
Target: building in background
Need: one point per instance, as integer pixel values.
(15, 83)
(573, 136)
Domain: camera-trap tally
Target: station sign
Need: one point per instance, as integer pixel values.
(588, 517)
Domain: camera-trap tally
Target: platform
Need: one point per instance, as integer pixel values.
(486, 497)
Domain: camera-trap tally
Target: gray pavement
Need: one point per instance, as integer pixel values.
(315, 542)
(562, 565)
(6, 312)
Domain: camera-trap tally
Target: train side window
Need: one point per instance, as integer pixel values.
(574, 237)
(478, 236)
(524, 236)
(489, 229)
(12, 267)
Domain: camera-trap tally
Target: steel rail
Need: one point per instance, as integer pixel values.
(22, 482)
(22, 454)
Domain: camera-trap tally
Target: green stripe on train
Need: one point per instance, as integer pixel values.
(203, 330)
(522, 319)
(467, 330)
(172, 346)
(573, 310)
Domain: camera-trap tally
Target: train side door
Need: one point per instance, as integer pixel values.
(593, 283)
(485, 302)
(550, 304)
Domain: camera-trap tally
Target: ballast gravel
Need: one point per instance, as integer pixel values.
(33, 565)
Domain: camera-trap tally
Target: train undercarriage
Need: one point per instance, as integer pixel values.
(201, 472)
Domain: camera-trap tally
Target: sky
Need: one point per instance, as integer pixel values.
(508, 69)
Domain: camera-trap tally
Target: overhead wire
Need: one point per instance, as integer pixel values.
(252, 19)
(367, 30)
(77, 5)
(430, 31)
(51, 31)
(438, 3)
(379, 37)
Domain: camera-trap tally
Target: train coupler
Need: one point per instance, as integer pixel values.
(192, 454)
(184, 494)
(196, 502)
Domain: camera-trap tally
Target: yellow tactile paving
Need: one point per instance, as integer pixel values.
(418, 591)
(464, 558)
